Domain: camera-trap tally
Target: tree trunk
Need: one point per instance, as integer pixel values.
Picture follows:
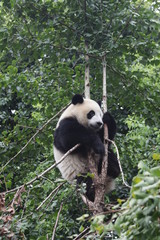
(87, 83)
(99, 180)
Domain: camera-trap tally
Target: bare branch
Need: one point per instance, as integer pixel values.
(105, 158)
(53, 197)
(39, 130)
(82, 234)
(104, 85)
(99, 184)
(101, 179)
(87, 83)
(46, 171)
(118, 158)
(54, 190)
(25, 204)
(17, 195)
(55, 226)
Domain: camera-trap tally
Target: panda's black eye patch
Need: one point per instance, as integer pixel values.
(90, 114)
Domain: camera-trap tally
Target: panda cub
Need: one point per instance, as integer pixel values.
(82, 122)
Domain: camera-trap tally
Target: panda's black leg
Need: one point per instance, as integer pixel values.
(113, 169)
(113, 165)
(90, 191)
(111, 124)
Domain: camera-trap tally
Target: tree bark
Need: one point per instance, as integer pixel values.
(87, 83)
(99, 180)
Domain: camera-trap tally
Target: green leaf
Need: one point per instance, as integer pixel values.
(156, 156)
(156, 171)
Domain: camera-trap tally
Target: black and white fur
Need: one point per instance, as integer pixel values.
(82, 122)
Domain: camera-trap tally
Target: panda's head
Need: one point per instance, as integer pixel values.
(86, 111)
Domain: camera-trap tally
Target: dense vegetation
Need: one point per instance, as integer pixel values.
(42, 64)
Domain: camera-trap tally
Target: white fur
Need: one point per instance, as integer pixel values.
(110, 184)
(71, 166)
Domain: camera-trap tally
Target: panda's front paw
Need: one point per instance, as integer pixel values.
(98, 148)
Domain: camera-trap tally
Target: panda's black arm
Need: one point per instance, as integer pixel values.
(110, 122)
(70, 132)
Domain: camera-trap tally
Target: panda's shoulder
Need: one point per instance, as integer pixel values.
(69, 124)
(68, 121)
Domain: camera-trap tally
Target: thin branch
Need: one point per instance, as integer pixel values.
(104, 85)
(87, 201)
(47, 179)
(87, 83)
(118, 158)
(55, 226)
(105, 158)
(46, 171)
(25, 204)
(52, 198)
(28, 127)
(82, 234)
(54, 190)
(39, 130)
(16, 200)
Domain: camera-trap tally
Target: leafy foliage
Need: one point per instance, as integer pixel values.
(42, 49)
(140, 143)
(140, 219)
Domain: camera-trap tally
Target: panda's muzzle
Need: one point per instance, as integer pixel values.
(97, 126)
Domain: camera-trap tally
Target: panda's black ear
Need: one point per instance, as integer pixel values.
(99, 103)
(77, 99)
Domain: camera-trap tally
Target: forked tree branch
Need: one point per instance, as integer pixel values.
(99, 180)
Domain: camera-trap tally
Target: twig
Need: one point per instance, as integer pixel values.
(39, 130)
(82, 234)
(46, 171)
(22, 126)
(55, 226)
(52, 198)
(47, 179)
(50, 195)
(5, 183)
(17, 195)
(118, 158)
(25, 204)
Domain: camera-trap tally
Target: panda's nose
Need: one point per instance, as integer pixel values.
(99, 124)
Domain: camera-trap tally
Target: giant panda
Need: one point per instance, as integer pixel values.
(82, 122)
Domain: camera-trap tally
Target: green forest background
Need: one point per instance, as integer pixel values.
(42, 65)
